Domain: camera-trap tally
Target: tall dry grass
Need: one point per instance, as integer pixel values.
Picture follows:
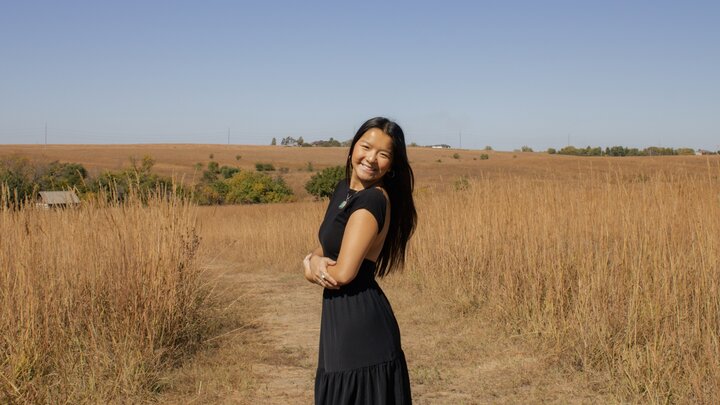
(97, 301)
(616, 272)
(613, 271)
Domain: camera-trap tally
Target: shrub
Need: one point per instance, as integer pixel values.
(62, 176)
(322, 184)
(456, 156)
(551, 151)
(227, 171)
(525, 148)
(462, 183)
(247, 187)
(484, 156)
(309, 167)
(18, 175)
(264, 167)
(210, 193)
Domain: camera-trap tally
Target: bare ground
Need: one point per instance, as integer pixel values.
(453, 359)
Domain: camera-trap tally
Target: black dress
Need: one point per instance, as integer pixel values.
(360, 360)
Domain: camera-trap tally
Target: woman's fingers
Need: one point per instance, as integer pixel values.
(323, 270)
(330, 280)
(324, 280)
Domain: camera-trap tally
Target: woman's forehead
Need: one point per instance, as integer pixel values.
(377, 137)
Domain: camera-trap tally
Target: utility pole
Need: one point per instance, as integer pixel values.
(228, 136)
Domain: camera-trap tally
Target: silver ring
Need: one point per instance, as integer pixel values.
(322, 276)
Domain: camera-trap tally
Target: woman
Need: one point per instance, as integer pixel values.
(368, 223)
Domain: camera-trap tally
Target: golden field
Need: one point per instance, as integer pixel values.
(179, 161)
(608, 266)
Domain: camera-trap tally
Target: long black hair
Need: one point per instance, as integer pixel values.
(399, 182)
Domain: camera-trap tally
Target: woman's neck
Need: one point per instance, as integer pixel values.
(357, 184)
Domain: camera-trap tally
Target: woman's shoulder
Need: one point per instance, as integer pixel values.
(372, 197)
(379, 192)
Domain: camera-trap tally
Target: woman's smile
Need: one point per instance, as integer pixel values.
(371, 158)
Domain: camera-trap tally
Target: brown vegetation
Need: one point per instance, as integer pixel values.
(618, 272)
(615, 272)
(611, 265)
(97, 301)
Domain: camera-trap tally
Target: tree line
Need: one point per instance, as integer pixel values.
(22, 180)
(290, 141)
(622, 151)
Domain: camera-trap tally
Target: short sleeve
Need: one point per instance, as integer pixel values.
(340, 185)
(373, 200)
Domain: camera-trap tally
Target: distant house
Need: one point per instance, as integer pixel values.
(57, 199)
(441, 146)
(704, 152)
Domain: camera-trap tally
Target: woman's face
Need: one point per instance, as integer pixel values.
(371, 157)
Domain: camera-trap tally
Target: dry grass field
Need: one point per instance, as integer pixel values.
(540, 279)
(97, 301)
(433, 167)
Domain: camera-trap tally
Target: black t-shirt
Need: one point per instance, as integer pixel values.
(342, 205)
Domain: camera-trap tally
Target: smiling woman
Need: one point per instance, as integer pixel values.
(361, 360)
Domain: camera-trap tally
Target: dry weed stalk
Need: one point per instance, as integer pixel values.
(97, 300)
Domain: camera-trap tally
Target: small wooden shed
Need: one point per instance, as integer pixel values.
(57, 199)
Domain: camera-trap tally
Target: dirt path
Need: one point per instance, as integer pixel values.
(452, 359)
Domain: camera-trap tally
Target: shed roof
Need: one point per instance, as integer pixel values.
(59, 197)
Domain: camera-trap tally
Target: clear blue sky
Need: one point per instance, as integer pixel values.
(502, 73)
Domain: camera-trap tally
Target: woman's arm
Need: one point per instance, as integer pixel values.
(360, 233)
(315, 265)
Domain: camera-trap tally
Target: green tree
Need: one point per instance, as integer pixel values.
(322, 183)
(58, 176)
(18, 175)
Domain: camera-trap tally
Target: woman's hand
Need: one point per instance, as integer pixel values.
(316, 272)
